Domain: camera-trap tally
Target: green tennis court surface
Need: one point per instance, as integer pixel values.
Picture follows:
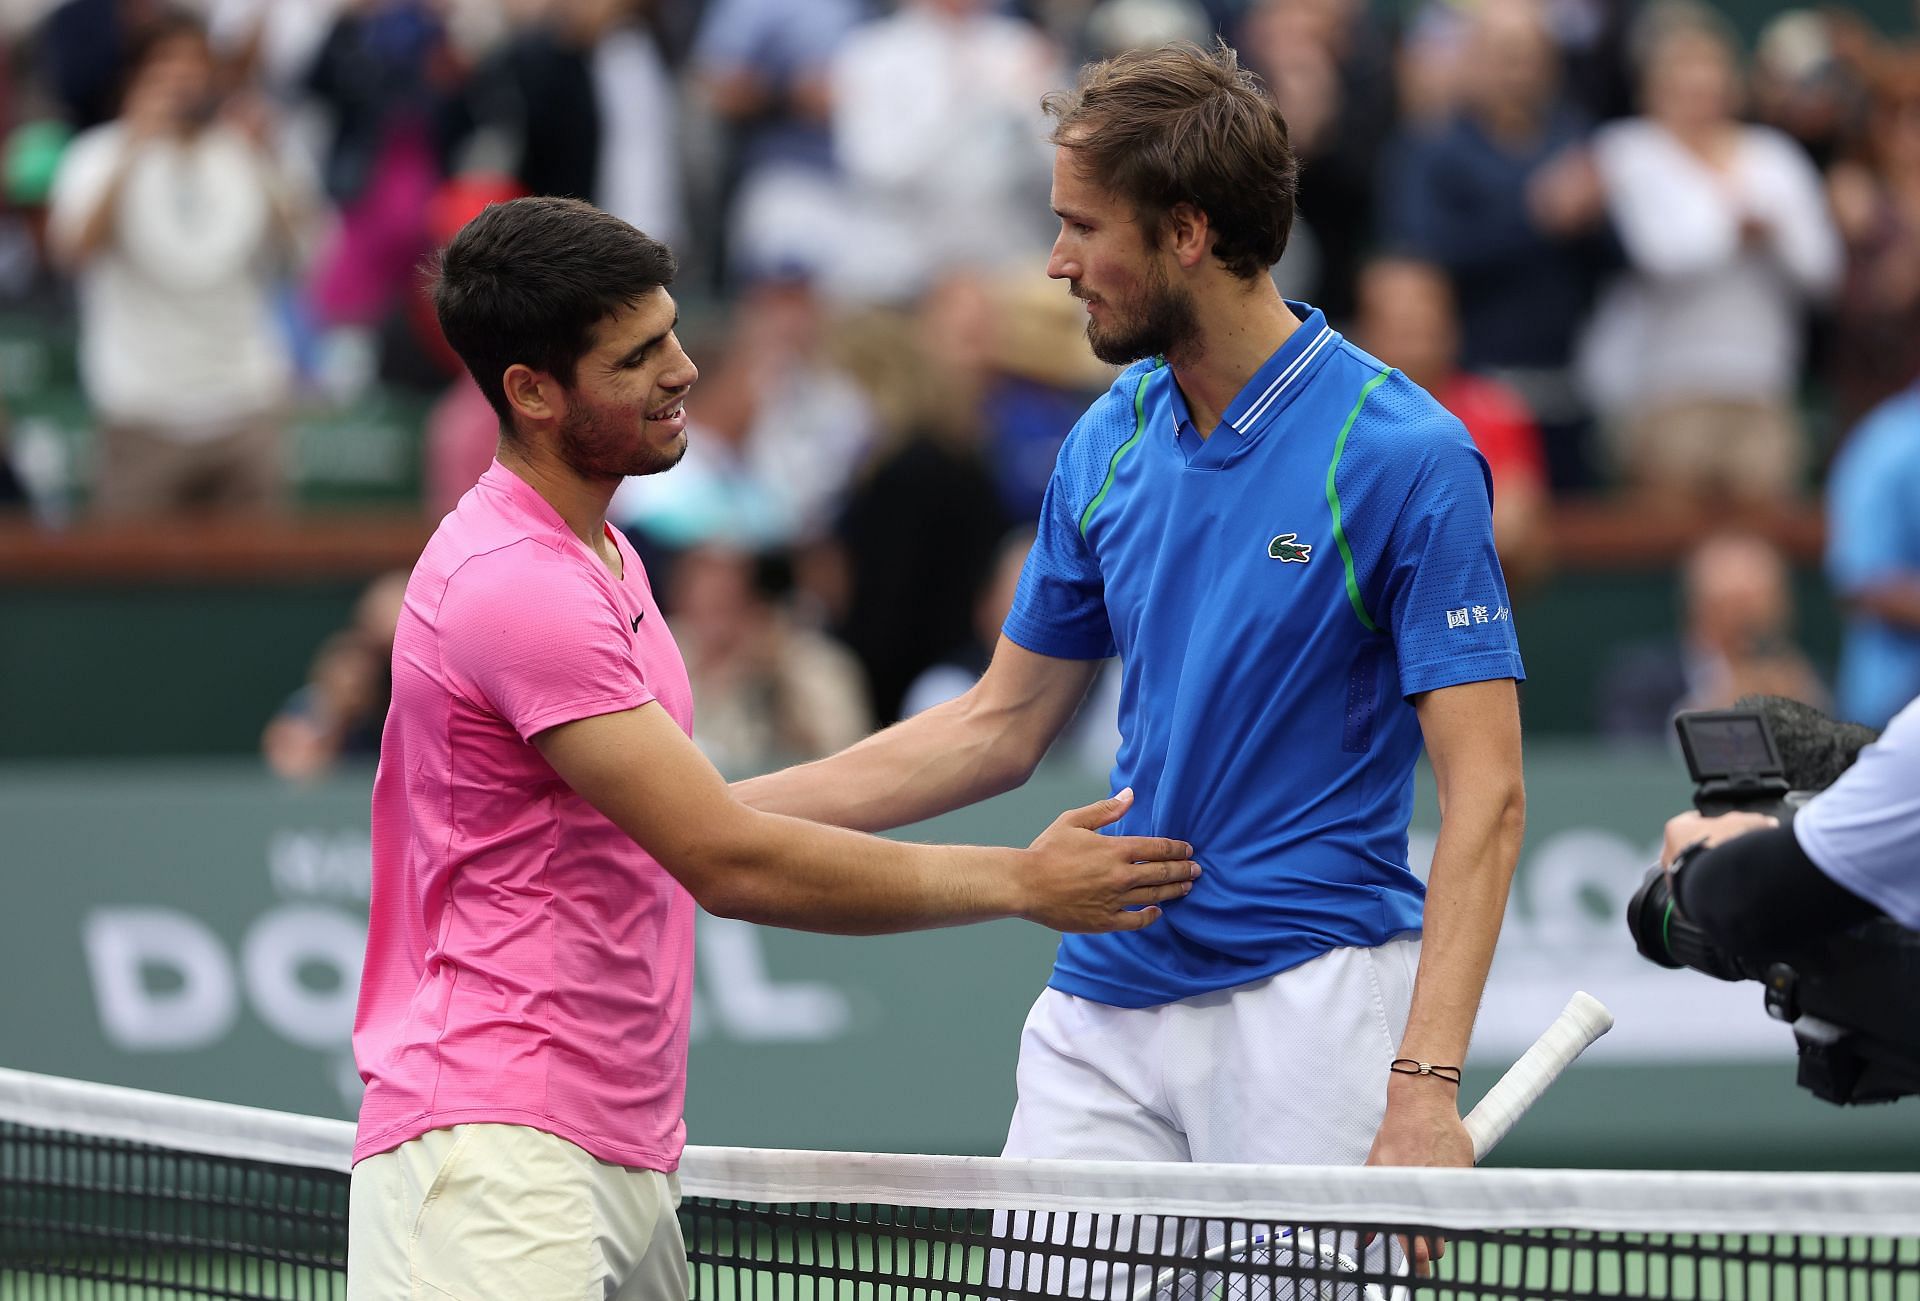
(1709, 1269)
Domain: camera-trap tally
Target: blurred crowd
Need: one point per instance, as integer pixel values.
(1636, 256)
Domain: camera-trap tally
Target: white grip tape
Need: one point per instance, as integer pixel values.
(1584, 1019)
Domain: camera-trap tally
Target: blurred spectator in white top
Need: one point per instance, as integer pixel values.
(766, 688)
(1696, 350)
(577, 102)
(171, 217)
(762, 67)
(938, 127)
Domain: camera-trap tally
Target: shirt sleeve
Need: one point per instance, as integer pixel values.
(1785, 189)
(1060, 607)
(529, 635)
(1863, 830)
(1445, 600)
(85, 171)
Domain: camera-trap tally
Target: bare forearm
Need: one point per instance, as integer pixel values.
(805, 876)
(639, 769)
(1472, 733)
(951, 756)
(1480, 834)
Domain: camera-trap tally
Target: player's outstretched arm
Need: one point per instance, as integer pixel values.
(971, 748)
(640, 770)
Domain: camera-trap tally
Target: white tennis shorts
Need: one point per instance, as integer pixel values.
(1290, 1070)
(508, 1213)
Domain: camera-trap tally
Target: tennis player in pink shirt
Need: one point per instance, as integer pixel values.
(543, 826)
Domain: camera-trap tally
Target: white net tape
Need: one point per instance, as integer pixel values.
(1600, 1200)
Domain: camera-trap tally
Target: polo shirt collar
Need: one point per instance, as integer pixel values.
(1273, 385)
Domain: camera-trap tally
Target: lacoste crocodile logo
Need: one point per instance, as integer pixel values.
(1285, 548)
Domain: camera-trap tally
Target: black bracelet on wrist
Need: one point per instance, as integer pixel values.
(1408, 1066)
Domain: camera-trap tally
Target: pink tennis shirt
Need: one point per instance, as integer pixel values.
(527, 963)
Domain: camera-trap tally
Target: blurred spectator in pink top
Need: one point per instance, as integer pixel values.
(385, 73)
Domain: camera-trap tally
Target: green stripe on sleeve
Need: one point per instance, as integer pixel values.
(1113, 466)
(1333, 501)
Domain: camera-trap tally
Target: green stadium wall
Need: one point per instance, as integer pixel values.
(196, 927)
(101, 669)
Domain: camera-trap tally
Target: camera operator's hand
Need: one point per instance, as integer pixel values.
(1692, 828)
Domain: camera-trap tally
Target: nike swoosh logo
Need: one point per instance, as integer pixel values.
(637, 618)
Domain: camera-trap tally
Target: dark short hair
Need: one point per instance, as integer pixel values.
(1180, 124)
(526, 281)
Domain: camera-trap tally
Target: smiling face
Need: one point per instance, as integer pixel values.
(625, 412)
(1114, 264)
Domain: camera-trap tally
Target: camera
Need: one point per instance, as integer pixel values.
(1852, 996)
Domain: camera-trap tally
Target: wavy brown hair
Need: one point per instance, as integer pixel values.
(1182, 124)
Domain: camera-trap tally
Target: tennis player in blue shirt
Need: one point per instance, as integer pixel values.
(1290, 548)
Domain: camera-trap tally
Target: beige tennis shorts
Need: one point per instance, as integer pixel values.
(486, 1212)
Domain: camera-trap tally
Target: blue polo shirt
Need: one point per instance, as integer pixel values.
(1276, 592)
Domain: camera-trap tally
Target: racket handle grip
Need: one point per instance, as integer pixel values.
(1583, 1020)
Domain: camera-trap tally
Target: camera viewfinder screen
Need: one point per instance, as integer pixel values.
(1728, 745)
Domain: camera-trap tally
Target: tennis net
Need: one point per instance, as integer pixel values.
(110, 1192)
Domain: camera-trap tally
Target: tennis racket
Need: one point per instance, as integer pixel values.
(1306, 1265)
